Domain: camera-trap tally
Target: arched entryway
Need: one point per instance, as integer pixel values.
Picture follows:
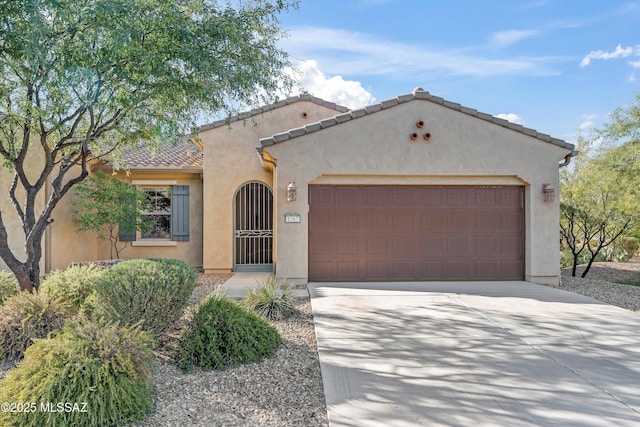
(253, 228)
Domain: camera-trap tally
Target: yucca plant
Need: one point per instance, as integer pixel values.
(273, 300)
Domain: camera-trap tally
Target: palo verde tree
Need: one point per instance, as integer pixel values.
(81, 78)
(599, 196)
(104, 205)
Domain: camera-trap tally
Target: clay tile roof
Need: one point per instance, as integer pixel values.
(281, 103)
(417, 94)
(183, 154)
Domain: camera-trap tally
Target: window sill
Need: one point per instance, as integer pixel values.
(154, 243)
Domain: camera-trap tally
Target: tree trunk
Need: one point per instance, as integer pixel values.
(575, 265)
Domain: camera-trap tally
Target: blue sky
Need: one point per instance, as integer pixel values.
(558, 66)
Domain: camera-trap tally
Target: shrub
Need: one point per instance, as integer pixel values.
(150, 291)
(102, 365)
(630, 245)
(273, 300)
(26, 317)
(223, 333)
(8, 286)
(73, 285)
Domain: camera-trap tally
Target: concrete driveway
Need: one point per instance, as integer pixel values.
(474, 354)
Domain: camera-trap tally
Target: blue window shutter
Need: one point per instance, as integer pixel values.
(127, 229)
(180, 213)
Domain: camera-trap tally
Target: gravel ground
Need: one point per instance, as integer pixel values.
(286, 390)
(599, 283)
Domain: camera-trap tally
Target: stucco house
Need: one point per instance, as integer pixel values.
(411, 188)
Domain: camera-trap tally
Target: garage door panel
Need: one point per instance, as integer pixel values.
(405, 269)
(432, 270)
(348, 270)
(485, 196)
(433, 221)
(510, 245)
(378, 269)
(457, 269)
(378, 220)
(457, 245)
(347, 245)
(457, 221)
(324, 246)
(485, 221)
(404, 220)
(433, 245)
(348, 197)
(486, 270)
(457, 196)
(416, 233)
(377, 245)
(482, 243)
(509, 221)
(431, 196)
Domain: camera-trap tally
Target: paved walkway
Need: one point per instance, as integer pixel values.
(475, 354)
(238, 285)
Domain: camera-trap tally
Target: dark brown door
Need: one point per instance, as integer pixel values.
(416, 233)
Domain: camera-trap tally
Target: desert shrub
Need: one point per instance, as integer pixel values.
(26, 317)
(105, 366)
(73, 285)
(150, 291)
(273, 300)
(566, 258)
(630, 245)
(223, 333)
(8, 286)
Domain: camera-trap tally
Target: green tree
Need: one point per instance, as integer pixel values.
(598, 200)
(81, 78)
(104, 205)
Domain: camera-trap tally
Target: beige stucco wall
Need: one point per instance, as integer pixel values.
(463, 150)
(33, 165)
(67, 245)
(231, 160)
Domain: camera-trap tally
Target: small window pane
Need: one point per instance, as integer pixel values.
(161, 228)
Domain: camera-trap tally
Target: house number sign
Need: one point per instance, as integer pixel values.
(292, 217)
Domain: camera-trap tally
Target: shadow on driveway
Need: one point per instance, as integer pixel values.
(474, 354)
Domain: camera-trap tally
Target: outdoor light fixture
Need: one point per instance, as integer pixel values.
(292, 192)
(549, 193)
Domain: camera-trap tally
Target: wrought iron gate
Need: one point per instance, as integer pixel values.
(253, 228)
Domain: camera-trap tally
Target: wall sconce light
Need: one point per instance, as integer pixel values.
(292, 192)
(549, 193)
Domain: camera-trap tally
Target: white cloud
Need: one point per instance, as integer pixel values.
(513, 118)
(586, 124)
(635, 64)
(632, 77)
(507, 38)
(352, 53)
(348, 93)
(619, 52)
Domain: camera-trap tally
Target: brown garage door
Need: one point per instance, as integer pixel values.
(416, 233)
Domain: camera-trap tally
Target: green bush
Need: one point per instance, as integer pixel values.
(8, 286)
(223, 333)
(273, 300)
(153, 292)
(102, 365)
(26, 317)
(630, 245)
(74, 285)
